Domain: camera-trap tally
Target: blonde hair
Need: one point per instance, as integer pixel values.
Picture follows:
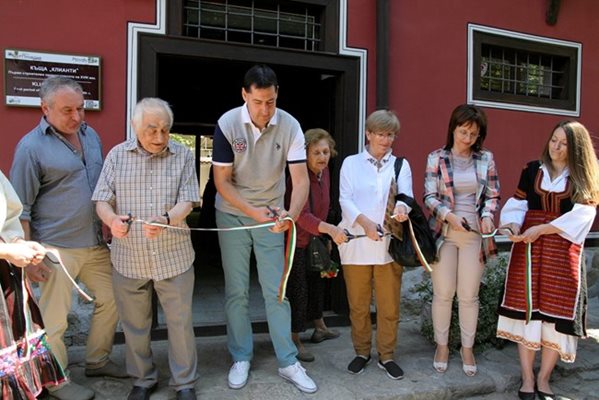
(313, 136)
(382, 121)
(582, 162)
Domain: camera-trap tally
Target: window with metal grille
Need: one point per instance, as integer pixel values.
(260, 22)
(517, 71)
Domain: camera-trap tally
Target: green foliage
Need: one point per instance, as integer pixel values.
(186, 140)
(490, 289)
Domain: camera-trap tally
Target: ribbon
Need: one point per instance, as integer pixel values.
(54, 257)
(528, 271)
(289, 247)
(419, 254)
(528, 283)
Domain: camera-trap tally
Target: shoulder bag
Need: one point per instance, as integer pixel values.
(402, 250)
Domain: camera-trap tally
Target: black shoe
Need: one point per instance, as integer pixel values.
(526, 395)
(393, 370)
(186, 394)
(545, 396)
(357, 365)
(141, 393)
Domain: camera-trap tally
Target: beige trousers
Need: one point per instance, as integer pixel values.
(459, 270)
(386, 281)
(92, 267)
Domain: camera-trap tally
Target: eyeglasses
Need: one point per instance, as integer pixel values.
(467, 135)
(384, 135)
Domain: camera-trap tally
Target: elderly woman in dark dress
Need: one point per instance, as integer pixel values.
(305, 289)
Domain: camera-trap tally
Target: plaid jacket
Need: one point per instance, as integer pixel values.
(439, 196)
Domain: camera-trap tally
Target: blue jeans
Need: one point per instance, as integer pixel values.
(269, 248)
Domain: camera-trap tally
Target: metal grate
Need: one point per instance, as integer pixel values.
(512, 71)
(261, 22)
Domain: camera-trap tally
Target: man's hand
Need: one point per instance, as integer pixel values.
(153, 231)
(119, 226)
(280, 224)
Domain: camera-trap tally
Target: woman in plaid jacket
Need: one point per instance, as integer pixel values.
(461, 191)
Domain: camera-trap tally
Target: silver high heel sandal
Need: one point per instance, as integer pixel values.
(469, 370)
(440, 367)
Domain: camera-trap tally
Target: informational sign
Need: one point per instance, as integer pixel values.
(24, 72)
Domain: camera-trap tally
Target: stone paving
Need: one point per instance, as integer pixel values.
(498, 376)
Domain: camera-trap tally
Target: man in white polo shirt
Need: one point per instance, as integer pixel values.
(252, 146)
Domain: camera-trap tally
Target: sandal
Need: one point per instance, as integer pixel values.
(469, 370)
(439, 366)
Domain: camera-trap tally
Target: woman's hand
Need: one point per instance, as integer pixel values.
(487, 225)
(514, 227)
(455, 222)
(401, 213)
(337, 235)
(534, 232)
(22, 253)
(370, 229)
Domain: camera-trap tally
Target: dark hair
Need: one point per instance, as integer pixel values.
(261, 76)
(467, 114)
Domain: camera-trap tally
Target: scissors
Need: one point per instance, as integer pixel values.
(467, 226)
(351, 236)
(129, 221)
(274, 214)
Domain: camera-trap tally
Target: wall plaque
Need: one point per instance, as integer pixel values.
(25, 70)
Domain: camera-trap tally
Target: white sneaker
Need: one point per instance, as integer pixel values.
(238, 374)
(296, 374)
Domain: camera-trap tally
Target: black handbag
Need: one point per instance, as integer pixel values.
(318, 257)
(403, 251)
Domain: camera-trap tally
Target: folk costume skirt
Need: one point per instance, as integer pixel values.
(26, 362)
(557, 289)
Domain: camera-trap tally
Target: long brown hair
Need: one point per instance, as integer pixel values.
(582, 162)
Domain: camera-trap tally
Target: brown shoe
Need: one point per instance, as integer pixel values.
(109, 369)
(71, 391)
(319, 336)
(304, 355)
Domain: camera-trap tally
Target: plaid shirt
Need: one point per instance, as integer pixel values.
(147, 185)
(439, 196)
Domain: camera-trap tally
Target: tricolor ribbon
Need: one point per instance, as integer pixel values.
(528, 271)
(528, 283)
(289, 247)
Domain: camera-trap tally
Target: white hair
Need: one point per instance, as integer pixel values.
(152, 104)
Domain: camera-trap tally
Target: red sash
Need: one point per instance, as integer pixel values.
(556, 272)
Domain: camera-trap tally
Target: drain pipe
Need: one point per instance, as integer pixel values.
(382, 54)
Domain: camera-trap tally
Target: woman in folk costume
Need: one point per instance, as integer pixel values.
(461, 191)
(544, 304)
(26, 366)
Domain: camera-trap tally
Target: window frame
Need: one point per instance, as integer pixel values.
(479, 35)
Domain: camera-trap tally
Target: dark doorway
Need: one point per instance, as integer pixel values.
(202, 80)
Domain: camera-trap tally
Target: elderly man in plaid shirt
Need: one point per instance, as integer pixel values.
(152, 179)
